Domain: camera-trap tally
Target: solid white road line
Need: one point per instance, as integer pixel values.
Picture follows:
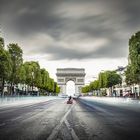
(56, 129)
(74, 136)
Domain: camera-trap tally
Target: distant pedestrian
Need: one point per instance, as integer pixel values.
(69, 98)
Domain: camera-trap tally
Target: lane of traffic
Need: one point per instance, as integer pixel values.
(120, 122)
(36, 123)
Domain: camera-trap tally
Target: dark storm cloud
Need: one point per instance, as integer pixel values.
(61, 53)
(77, 21)
(28, 17)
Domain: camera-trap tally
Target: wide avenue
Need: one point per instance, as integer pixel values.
(88, 118)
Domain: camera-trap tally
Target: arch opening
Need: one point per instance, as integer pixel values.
(70, 88)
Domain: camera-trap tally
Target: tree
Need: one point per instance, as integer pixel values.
(102, 79)
(36, 77)
(134, 57)
(28, 71)
(13, 70)
(5, 67)
(57, 89)
(36, 74)
(1, 42)
(129, 74)
(51, 85)
(112, 78)
(16, 56)
(33, 74)
(22, 74)
(85, 89)
(133, 70)
(44, 79)
(96, 85)
(108, 79)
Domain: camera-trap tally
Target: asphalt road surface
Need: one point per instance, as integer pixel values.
(56, 120)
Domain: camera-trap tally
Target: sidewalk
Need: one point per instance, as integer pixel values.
(16, 101)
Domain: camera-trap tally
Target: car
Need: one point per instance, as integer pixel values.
(69, 102)
(63, 95)
(75, 96)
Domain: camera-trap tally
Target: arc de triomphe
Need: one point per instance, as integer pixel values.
(77, 75)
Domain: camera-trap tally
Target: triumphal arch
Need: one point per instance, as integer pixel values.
(77, 75)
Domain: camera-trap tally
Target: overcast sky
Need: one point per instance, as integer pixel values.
(90, 34)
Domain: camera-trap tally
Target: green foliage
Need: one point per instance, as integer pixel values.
(130, 76)
(16, 53)
(112, 78)
(36, 74)
(44, 79)
(105, 80)
(109, 79)
(57, 89)
(133, 70)
(33, 73)
(85, 89)
(94, 85)
(16, 56)
(102, 79)
(22, 74)
(15, 71)
(1, 42)
(51, 85)
(5, 64)
(39, 77)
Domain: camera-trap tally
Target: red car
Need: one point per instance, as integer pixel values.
(69, 102)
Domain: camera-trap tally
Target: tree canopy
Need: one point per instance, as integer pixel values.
(14, 71)
(133, 69)
(106, 79)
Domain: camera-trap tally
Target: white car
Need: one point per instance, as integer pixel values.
(63, 95)
(75, 96)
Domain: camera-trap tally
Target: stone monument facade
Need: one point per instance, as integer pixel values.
(77, 75)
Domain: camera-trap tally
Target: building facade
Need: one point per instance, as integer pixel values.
(77, 75)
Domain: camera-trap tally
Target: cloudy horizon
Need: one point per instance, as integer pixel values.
(92, 34)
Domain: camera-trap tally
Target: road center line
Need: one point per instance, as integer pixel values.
(74, 136)
(56, 129)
